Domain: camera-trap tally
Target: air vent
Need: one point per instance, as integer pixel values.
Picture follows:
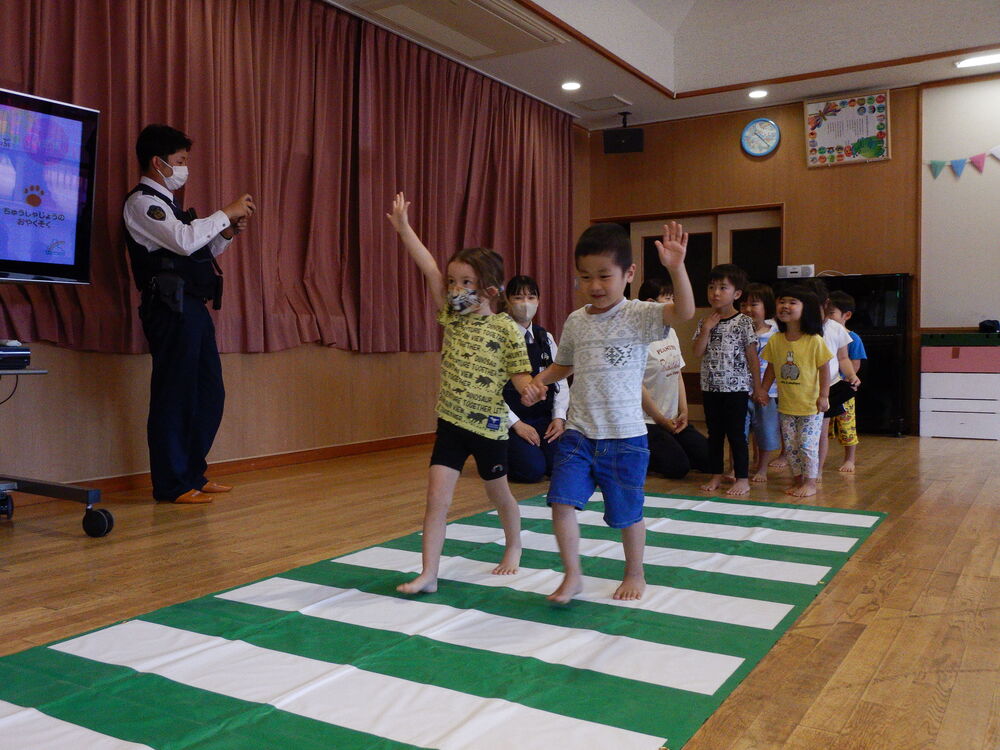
(604, 103)
(470, 29)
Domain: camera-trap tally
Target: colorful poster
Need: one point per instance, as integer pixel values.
(847, 130)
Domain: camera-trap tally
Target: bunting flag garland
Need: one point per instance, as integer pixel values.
(958, 165)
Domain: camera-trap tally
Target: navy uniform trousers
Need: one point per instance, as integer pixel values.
(186, 395)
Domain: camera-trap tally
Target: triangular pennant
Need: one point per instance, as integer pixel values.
(957, 166)
(995, 151)
(936, 167)
(978, 161)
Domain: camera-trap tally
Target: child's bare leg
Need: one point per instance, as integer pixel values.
(634, 583)
(498, 491)
(440, 489)
(713, 483)
(567, 531)
(763, 461)
(824, 447)
(849, 453)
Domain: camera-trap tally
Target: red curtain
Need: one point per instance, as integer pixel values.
(321, 117)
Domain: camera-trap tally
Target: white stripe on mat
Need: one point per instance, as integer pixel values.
(629, 658)
(401, 710)
(758, 534)
(790, 513)
(22, 728)
(710, 562)
(734, 610)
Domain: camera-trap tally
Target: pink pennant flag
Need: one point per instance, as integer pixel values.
(978, 161)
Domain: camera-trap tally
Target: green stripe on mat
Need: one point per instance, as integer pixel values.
(576, 693)
(152, 710)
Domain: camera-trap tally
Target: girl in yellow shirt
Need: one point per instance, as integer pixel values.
(797, 358)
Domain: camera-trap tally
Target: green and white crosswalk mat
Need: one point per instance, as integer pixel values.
(330, 656)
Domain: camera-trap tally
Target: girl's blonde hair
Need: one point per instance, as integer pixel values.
(488, 265)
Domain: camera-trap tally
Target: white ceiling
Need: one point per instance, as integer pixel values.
(690, 45)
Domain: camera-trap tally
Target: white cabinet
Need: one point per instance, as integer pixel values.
(960, 404)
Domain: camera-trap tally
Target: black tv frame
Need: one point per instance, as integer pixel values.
(79, 271)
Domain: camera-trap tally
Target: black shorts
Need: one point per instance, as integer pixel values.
(840, 393)
(454, 444)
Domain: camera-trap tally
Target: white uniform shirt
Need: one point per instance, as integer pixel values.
(560, 402)
(835, 336)
(663, 372)
(607, 352)
(142, 219)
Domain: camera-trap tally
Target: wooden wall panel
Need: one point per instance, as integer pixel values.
(856, 219)
(86, 419)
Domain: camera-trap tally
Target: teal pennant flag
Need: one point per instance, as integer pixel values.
(936, 167)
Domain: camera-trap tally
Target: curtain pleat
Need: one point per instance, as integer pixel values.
(322, 118)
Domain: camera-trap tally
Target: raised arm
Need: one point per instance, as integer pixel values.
(673, 249)
(420, 254)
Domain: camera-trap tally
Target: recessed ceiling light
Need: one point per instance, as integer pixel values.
(971, 62)
(758, 94)
(570, 86)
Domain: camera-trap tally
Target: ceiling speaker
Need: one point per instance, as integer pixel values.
(623, 141)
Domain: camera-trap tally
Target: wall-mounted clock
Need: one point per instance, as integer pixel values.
(760, 137)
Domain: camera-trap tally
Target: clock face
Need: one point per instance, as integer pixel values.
(760, 137)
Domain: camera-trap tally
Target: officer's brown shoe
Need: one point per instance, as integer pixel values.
(211, 486)
(193, 496)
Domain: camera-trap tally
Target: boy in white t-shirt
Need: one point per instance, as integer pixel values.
(604, 346)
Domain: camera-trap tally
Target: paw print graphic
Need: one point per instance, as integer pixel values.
(34, 195)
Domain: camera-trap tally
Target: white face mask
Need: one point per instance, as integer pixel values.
(464, 302)
(177, 178)
(524, 311)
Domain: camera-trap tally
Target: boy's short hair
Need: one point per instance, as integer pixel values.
(655, 288)
(842, 301)
(606, 239)
(159, 140)
(762, 292)
(522, 285)
(818, 287)
(736, 275)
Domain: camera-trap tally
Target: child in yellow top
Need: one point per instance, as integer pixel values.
(797, 358)
(480, 353)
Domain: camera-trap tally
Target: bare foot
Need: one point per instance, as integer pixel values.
(807, 489)
(570, 587)
(847, 467)
(728, 477)
(508, 565)
(631, 588)
(712, 484)
(422, 584)
(760, 476)
(779, 463)
(741, 487)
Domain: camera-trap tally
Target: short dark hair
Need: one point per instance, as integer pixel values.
(818, 287)
(159, 140)
(605, 239)
(729, 271)
(655, 288)
(812, 317)
(842, 301)
(522, 285)
(762, 292)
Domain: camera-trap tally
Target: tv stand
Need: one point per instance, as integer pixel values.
(96, 522)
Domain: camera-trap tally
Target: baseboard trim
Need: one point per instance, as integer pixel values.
(236, 466)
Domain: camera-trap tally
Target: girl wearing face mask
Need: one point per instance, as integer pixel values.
(533, 429)
(480, 353)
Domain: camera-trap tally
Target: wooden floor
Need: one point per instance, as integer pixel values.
(901, 650)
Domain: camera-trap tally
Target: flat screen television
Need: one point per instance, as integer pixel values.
(48, 161)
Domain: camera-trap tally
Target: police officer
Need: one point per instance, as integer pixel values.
(172, 254)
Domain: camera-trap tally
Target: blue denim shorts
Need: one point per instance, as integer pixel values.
(766, 427)
(618, 466)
